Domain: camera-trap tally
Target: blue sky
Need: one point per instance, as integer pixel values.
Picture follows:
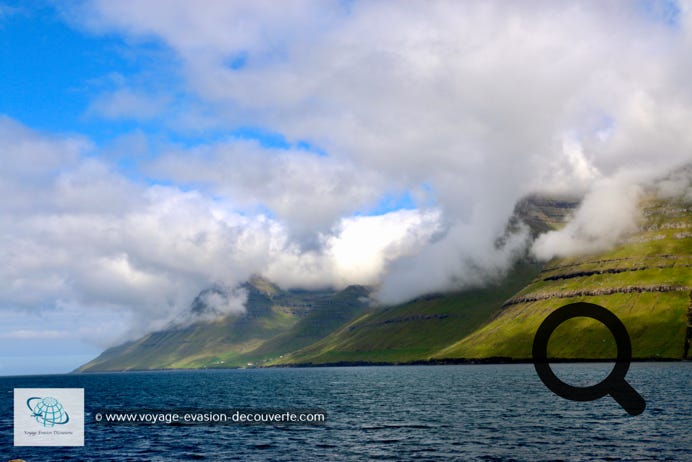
(52, 69)
(51, 72)
(153, 149)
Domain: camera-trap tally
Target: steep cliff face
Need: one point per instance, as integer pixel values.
(543, 214)
(646, 281)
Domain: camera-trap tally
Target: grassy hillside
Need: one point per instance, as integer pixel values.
(418, 329)
(332, 313)
(413, 330)
(295, 326)
(276, 321)
(646, 281)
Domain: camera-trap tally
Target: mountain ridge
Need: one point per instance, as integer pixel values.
(648, 272)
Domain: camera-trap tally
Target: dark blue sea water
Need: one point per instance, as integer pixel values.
(474, 412)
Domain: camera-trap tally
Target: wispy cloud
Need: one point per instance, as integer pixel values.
(26, 334)
(127, 104)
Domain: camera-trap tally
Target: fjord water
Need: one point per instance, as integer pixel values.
(469, 412)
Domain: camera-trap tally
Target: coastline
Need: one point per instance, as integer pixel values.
(434, 362)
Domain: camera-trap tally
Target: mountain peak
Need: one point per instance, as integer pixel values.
(263, 285)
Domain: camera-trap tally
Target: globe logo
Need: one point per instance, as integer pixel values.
(48, 411)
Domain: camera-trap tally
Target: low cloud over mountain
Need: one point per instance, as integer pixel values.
(335, 143)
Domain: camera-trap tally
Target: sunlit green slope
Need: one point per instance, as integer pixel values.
(414, 330)
(646, 281)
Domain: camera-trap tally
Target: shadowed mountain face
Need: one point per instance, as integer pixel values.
(646, 281)
(275, 322)
(415, 330)
(544, 214)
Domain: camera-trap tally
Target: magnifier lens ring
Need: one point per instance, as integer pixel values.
(540, 353)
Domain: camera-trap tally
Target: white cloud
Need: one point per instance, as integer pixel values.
(463, 257)
(307, 192)
(25, 334)
(470, 104)
(216, 303)
(95, 245)
(608, 213)
(358, 251)
(127, 104)
(473, 99)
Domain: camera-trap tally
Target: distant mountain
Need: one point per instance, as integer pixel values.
(275, 322)
(646, 281)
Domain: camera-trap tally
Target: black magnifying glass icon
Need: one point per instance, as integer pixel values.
(615, 384)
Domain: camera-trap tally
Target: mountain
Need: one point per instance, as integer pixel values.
(275, 322)
(415, 330)
(646, 281)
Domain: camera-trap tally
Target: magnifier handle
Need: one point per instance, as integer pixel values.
(628, 398)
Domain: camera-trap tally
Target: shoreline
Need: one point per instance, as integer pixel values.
(434, 362)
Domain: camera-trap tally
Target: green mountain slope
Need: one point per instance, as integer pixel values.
(646, 281)
(276, 321)
(282, 327)
(414, 330)
(333, 312)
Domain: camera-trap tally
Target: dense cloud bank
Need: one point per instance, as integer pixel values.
(411, 131)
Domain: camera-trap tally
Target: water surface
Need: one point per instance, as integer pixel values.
(466, 412)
